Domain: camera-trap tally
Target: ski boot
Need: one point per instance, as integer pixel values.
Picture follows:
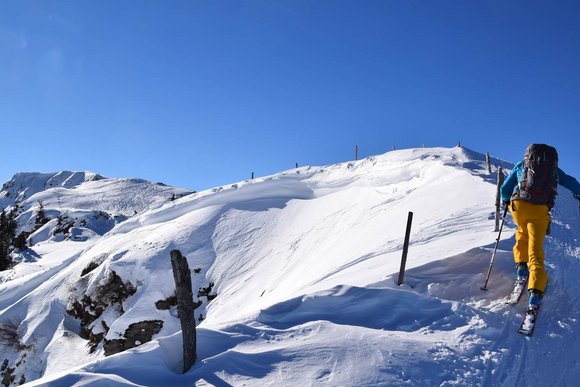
(529, 321)
(522, 272)
(535, 299)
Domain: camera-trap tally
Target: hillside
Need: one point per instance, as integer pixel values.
(298, 270)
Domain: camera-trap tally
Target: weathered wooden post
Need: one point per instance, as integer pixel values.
(488, 162)
(500, 179)
(185, 307)
(405, 249)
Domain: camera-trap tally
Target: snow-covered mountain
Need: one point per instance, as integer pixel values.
(295, 273)
(81, 199)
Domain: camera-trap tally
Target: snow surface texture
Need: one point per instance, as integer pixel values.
(304, 264)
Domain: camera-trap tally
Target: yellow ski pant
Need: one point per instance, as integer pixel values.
(532, 221)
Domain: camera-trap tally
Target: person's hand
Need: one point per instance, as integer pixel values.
(505, 202)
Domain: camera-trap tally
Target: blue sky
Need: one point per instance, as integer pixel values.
(202, 93)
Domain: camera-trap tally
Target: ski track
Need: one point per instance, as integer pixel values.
(526, 358)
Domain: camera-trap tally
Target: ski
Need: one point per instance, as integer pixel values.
(529, 322)
(517, 291)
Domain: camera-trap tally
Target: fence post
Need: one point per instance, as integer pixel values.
(500, 179)
(185, 307)
(356, 152)
(488, 162)
(405, 249)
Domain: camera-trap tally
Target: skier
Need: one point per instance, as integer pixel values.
(530, 191)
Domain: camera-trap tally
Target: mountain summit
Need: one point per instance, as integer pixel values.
(24, 185)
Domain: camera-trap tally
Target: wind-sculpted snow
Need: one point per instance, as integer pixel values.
(271, 193)
(302, 266)
(396, 310)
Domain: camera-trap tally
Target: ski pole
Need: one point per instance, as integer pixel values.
(484, 287)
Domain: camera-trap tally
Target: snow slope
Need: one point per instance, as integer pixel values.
(304, 264)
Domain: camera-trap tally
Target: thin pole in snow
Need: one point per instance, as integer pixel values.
(484, 287)
(500, 180)
(405, 249)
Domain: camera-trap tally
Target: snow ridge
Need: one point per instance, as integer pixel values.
(302, 266)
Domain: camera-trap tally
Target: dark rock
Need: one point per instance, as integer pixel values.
(111, 294)
(90, 267)
(206, 292)
(114, 291)
(135, 335)
(8, 375)
(167, 303)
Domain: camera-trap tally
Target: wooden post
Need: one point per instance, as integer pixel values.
(488, 162)
(252, 175)
(500, 179)
(405, 249)
(356, 152)
(185, 307)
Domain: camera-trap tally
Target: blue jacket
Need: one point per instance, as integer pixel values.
(511, 182)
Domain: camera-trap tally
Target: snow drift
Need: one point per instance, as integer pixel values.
(295, 273)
